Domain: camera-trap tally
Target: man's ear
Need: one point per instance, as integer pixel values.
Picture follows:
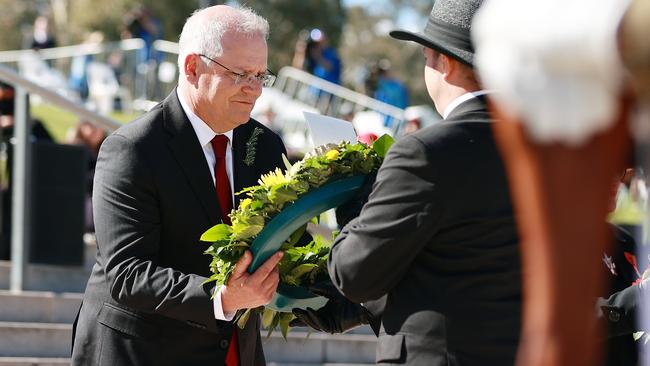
(190, 68)
(448, 67)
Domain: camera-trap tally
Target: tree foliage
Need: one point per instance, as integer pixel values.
(366, 41)
(16, 18)
(288, 18)
(108, 16)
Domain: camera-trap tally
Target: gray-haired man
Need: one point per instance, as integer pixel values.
(161, 181)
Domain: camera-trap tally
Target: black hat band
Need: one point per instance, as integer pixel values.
(451, 35)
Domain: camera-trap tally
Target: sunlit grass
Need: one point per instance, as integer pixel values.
(58, 121)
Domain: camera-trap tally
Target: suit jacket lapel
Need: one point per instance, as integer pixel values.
(244, 175)
(188, 153)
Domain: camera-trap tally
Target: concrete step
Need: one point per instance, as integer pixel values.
(21, 339)
(33, 361)
(43, 277)
(45, 307)
(35, 339)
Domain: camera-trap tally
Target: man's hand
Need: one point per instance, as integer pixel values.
(247, 291)
(337, 316)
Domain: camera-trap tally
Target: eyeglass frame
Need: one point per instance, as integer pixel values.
(265, 80)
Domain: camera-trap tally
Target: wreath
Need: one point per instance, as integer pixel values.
(327, 167)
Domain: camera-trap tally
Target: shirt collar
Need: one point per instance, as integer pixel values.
(463, 98)
(202, 130)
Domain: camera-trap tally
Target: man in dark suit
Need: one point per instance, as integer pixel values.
(437, 236)
(154, 195)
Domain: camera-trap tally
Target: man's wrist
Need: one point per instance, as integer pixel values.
(221, 313)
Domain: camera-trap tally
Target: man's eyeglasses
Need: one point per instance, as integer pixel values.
(266, 80)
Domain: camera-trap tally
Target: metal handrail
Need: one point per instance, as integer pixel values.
(10, 76)
(363, 100)
(71, 51)
(165, 46)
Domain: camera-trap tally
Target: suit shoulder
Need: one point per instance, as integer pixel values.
(476, 124)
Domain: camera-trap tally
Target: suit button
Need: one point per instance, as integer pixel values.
(614, 316)
(224, 343)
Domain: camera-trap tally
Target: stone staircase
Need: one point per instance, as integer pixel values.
(36, 325)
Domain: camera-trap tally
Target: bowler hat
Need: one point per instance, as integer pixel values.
(447, 30)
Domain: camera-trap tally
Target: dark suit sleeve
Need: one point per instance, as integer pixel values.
(619, 311)
(128, 229)
(373, 252)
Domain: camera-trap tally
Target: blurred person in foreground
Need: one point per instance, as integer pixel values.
(564, 140)
(160, 182)
(437, 238)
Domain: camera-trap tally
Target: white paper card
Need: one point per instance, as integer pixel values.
(324, 129)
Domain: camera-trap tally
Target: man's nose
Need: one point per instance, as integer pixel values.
(252, 88)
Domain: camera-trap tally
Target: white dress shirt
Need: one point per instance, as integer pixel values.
(205, 135)
(465, 97)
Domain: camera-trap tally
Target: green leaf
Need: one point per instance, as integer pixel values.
(301, 270)
(274, 324)
(289, 280)
(242, 230)
(382, 144)
(267, 317)
(281, 194)
(285, 319)
(217, 233)
(287, 164)
(243, 318)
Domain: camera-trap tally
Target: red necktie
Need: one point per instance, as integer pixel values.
(219, 145)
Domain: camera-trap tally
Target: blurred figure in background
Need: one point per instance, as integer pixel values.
(314, 55)
(140, 23)
(91, 137)
(78, 80)
(7, 109)
(43, 36)
(384, 86)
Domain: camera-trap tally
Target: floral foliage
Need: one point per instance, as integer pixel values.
(301, 264)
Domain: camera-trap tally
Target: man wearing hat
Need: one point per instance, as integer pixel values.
(437, 236)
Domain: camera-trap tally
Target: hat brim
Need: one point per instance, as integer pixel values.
(459, 54)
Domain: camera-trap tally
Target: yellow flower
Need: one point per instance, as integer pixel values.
(332, 155)
(273, 178)
(245, 203)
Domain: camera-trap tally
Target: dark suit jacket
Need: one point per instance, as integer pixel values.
(145, 302)
(618, 307)
(438, 237)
